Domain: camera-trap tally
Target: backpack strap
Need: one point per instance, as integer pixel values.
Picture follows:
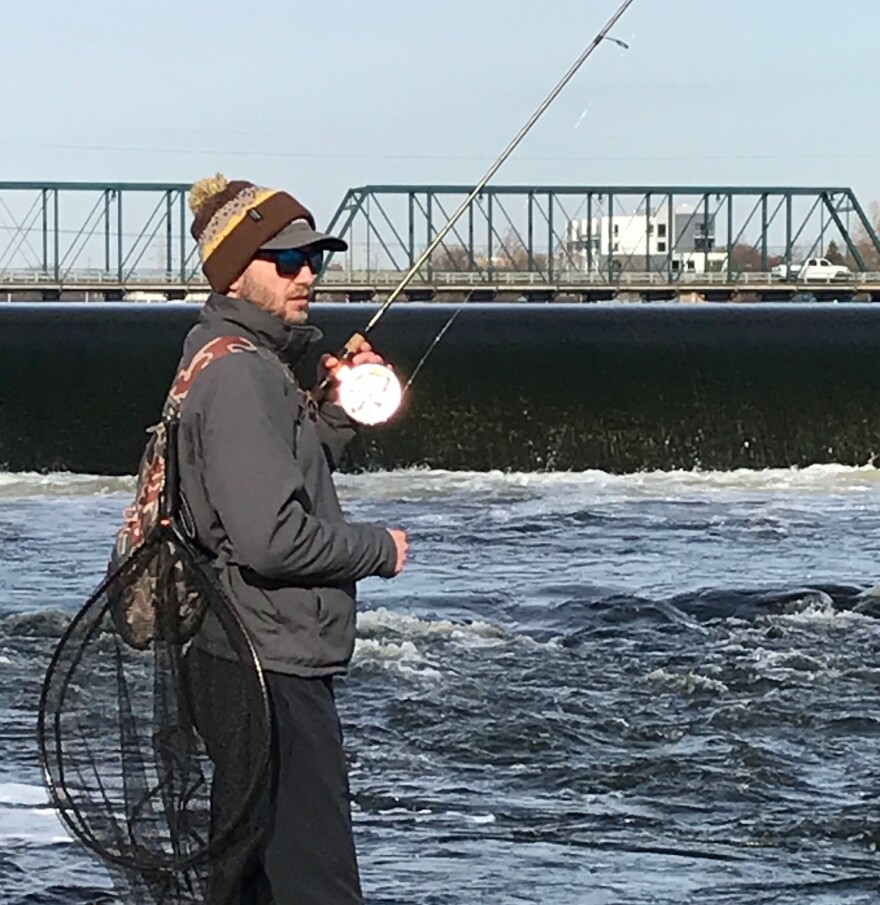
(212, 351)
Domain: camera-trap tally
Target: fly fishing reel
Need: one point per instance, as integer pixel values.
(369, 393)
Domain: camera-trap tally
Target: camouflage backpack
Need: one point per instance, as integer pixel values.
(139, 575)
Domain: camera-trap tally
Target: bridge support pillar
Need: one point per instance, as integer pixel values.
(833, 295)
(599, 295)
(788, 295)
(419, 295)
(659, 295)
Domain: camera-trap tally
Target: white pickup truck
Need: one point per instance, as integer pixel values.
(811, 269)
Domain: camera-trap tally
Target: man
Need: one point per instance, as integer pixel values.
(255, 472)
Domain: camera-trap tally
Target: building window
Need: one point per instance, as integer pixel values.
(661, 248)
(661, 230)
(616, 229)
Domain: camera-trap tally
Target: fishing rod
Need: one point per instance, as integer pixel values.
(372, 393)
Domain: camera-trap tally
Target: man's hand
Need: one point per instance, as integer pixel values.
(331, 364)
(401, 541)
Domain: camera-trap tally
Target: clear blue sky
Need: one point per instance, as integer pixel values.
(317, 97)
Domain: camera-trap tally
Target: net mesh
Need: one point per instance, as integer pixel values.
(155, 755)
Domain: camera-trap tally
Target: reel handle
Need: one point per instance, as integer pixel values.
(349, 350)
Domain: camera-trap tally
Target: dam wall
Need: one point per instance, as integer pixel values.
(520, 387)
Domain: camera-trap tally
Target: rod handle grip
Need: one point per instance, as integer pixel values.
(349, 350)
(353, 345)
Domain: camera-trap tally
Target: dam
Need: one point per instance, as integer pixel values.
(516, 387)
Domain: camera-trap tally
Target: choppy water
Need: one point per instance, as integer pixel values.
(656, 688)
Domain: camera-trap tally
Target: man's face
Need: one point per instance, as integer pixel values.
(284, 296)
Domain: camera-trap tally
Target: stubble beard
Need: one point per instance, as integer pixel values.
(274, 302)
(295, 315)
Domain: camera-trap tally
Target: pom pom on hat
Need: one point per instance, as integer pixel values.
(205, 189)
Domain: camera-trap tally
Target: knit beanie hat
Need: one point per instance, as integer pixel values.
(233, 220)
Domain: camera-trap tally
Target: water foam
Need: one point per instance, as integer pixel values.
(820, 613)
(404, 658)
(61, 483)
(19, 793)
(382, 621)
(422, 484)
(391, 640)
(27, 817)
(686, 682)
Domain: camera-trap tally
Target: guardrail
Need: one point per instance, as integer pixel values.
(501, 280)
(108, 278)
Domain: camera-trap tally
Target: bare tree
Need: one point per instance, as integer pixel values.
(745, 257)
(455, 258)
(864, 243)
(513, 254)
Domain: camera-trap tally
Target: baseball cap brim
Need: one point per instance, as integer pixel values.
(300, 235)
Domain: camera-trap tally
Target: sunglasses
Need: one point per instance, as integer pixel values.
(291, 261)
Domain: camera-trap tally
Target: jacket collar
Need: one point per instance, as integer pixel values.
(288, 341)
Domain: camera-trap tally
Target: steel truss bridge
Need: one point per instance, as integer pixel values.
(131, 240)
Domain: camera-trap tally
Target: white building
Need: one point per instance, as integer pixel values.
(644, 242)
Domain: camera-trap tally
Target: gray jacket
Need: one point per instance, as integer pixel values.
(255, 472)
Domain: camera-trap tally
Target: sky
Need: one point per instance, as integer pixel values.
(315, 98)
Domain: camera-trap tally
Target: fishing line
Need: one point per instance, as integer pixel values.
(372, 393)
(430, 348)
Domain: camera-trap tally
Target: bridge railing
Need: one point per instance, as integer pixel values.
(157, 280)
(443, 279)
(97, 277)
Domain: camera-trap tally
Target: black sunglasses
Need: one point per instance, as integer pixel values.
(291, 261)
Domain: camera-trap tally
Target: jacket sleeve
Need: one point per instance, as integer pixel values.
(335, 431)
(254, 482)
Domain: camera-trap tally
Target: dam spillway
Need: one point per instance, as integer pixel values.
(518, 387)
